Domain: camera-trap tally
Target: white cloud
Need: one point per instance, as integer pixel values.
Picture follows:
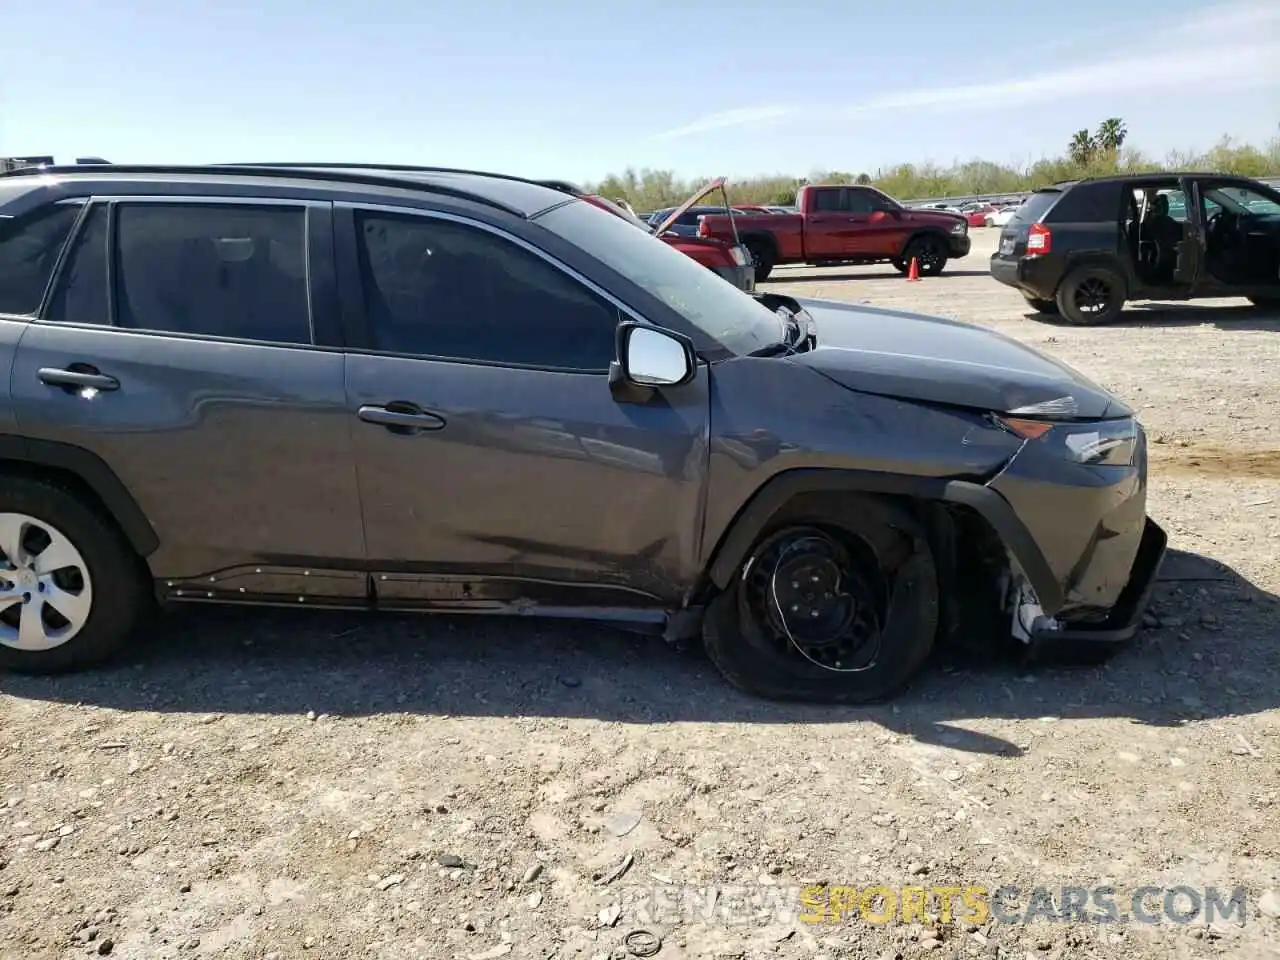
(1231, 46)
(741, 117)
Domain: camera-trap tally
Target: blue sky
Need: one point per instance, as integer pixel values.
(575, 89)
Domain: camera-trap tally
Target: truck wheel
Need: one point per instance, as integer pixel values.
(930, 253)
(1041, 306)
(1091, 295)
(761, 258)
(836, 604)
(900, 265)
(71, 588)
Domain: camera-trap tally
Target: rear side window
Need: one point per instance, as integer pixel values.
(1036, 205)
(1089, 203)
(29, 248)
(224, 270)
(82, 293)
(828, 201)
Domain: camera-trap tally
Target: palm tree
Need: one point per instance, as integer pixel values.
(1111, 134)
(1082, 147)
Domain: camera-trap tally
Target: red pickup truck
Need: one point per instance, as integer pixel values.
(846, 224)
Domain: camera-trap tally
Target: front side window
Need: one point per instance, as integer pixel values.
(434, 287)
(29, 248)
(737, 322)
(219, 269)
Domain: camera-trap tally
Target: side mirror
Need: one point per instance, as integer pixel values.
(650, 357)
(878, 216)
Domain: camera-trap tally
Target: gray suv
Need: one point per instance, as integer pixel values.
(435, 390)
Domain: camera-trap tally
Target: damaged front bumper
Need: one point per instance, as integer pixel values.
(1118, 625)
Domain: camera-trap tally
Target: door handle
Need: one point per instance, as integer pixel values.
(400, 417)
(56, 377)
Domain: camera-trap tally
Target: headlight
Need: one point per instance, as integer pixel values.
(1109, 443)
(961, 228)
(740, 256)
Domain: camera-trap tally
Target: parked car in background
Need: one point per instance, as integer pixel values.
(434, 391)
(846, 224)
(730, 260)
(976, 213)
(686, 224)
(999, 217)
(1084, 248)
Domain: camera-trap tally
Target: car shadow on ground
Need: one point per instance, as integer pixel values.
(823, 277)
(1244, 317)
(1197, 664)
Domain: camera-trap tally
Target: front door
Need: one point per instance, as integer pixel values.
(875, 223)
(188, 367)
(495, 466)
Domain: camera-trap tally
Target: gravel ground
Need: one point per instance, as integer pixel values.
(293, 784)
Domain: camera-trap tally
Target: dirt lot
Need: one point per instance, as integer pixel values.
(293, 785)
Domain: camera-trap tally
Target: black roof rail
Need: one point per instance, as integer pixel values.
(365, 174)
(397, 167)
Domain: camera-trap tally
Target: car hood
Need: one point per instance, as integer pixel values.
(675, 214)
(908, 355)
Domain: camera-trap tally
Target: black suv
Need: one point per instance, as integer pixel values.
(1082, 249)
(433, 390)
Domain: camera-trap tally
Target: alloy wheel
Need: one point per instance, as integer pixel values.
(1092, 295)
(46, 592)
(930, 256)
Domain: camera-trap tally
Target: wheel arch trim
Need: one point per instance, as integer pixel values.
(94, 473)
(753, 518)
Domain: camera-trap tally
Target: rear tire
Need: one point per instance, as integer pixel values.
(859, 586)
(762, 258)
(1041, 306)
(82, 611)
(1091, 296)
(929, 252)
(900, 265)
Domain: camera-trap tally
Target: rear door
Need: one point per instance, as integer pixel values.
(826, 224)
(188, 343)
(29, 250)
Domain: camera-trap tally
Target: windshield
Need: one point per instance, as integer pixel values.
(1241, 200)
(735, 320)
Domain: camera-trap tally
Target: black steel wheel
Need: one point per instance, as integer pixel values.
(837, 608)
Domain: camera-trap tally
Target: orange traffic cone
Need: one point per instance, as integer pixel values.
(914, 272)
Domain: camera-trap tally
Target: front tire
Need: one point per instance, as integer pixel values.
(71, 588)
(930, 254)
(1091, 296)
(838, 603)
